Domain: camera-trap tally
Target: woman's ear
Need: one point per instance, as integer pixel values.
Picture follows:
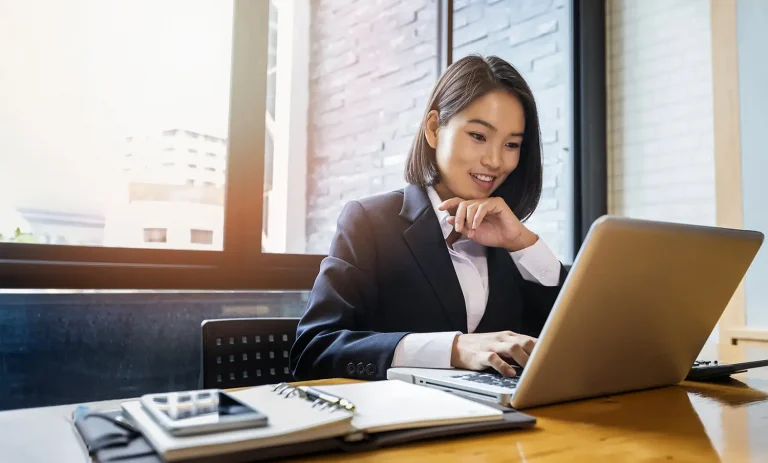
(431, 128)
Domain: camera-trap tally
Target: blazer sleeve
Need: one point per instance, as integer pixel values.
(539, 300)
(330, 339)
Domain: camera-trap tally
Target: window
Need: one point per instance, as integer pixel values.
(291, 108)
(201, 236)
(108, 100)
(155, 235)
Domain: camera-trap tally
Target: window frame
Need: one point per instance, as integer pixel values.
(589, 100)
(241, 265)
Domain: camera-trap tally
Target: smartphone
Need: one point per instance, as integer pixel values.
(201, 412)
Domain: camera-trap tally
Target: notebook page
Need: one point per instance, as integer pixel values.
(392, 405)
(291, 420)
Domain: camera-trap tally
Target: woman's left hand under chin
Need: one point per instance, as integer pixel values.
(490, 222)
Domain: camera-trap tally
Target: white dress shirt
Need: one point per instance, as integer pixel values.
(536, 263)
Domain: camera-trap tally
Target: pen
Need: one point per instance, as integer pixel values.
(320, 397)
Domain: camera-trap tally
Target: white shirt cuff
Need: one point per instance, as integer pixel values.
(425, 350)
(538, 264)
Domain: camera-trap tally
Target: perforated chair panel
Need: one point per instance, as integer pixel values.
(242, 352)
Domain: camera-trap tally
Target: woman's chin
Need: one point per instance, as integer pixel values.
(475, 196)
(477, 193)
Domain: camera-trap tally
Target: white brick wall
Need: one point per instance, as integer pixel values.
(660, 122)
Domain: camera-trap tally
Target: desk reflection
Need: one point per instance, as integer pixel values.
(651, 425)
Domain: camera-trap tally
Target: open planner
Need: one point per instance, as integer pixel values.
(384, 413)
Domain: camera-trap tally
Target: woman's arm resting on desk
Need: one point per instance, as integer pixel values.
(329, 341)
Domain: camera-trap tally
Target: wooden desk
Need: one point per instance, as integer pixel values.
(688, 422)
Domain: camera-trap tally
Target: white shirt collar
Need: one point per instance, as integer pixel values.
(442, 216)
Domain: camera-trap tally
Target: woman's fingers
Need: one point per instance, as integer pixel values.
(449, 204)
(479, 215)
(519, 355)
(471, 211)
(526, 342)
(529, 344)
(470, 215)
(494, 361)
(514, 351)
(461, 214)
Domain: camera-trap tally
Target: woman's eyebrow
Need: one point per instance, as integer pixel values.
(490, 126)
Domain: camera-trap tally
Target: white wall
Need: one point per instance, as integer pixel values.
(660, 122)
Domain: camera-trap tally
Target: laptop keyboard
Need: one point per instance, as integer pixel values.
(490, 379)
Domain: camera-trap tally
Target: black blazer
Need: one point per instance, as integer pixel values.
(388, 274)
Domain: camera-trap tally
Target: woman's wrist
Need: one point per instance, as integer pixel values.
(455, 351)
(525, 239)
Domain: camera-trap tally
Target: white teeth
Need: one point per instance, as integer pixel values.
(485, 178)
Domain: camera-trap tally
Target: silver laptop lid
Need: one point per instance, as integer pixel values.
(636, 309)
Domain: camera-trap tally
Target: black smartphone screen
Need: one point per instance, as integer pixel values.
(229, 406)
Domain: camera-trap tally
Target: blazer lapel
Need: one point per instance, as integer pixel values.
(425, 240)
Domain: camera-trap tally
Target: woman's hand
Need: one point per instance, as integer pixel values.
(490, 222)
(480, 351)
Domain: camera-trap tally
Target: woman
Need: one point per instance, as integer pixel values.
(442, 273)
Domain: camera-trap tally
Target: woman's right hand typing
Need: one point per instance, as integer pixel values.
(494, 350)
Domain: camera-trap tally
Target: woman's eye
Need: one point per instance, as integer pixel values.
(513, 145)
(477, 136)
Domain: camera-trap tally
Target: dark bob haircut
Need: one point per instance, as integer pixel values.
(460, 85)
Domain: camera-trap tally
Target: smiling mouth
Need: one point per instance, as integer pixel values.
(484, 178)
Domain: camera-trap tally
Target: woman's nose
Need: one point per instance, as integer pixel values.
(492, 159)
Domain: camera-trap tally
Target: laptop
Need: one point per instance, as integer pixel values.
(637, 307)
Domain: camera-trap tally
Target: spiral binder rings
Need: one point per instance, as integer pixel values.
(349, 417)
(318, 398)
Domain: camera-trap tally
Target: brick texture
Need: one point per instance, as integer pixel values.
(372, 69)
(660, 121)
(532, 36)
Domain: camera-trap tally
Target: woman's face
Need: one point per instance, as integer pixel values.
(479, 146)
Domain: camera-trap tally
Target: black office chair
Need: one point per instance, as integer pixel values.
(241, 352)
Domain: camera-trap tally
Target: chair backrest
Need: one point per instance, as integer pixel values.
(241, 352)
